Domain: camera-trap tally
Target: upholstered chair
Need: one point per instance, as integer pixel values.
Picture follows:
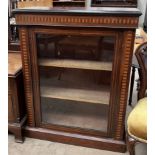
(137, 119)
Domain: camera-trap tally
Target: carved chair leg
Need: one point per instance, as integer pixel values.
(130, 144)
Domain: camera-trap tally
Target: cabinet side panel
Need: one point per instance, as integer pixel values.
(23, 32)
(20, 96)
(12, 100)
(126, 60)
(11, 116)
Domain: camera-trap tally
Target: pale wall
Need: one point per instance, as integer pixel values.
(142, 7)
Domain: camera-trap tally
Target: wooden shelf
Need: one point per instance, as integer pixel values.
(68, 113)
(92, 96)
(99, 97)
(80, 64)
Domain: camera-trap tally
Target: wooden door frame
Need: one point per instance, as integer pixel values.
(115, 78)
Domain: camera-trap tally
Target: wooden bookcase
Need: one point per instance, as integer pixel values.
(76, 66)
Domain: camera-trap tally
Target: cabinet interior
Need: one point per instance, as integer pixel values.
(75, 73)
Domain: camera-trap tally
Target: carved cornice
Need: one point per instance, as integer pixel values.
(58, 20)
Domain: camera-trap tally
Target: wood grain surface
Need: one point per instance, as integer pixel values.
(14, 63)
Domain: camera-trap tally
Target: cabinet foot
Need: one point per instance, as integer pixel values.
(17, 130)
(19, 139)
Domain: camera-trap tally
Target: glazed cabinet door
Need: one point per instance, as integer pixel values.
(74, 79)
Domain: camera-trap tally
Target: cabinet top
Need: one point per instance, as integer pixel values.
(14, 64)
(107, 17)
(99, 11)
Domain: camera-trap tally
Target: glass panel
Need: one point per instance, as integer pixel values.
(75, 114)
(75, 74)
